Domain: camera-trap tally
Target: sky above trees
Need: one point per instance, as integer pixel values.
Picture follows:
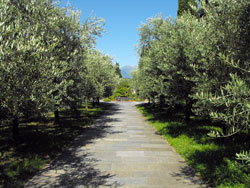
(122, 20)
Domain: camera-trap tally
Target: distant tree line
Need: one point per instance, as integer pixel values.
(48, 60)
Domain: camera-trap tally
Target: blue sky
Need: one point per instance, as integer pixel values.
(123, 17)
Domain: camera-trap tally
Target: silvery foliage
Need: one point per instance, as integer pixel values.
(27, 60)
(243, 158)
(42, 56)
(223, 89)
(149, 73)
(204, 58)
(163, 63)
(101, 78)
(212, 53)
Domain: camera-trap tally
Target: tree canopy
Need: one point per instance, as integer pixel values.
(48, 59)
(184, 61)
(186, 5)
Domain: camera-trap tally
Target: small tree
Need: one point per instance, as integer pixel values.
(123, 89)
(118, 70)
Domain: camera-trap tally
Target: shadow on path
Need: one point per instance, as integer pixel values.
(188, 175)
(75, 167)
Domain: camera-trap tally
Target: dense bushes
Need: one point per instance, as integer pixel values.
(123, 91)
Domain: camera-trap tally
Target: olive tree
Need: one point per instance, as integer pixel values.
(224, 70)
(101, 77)
(28, 41)
(42, 57)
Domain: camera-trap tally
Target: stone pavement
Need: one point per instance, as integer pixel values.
(120, 150)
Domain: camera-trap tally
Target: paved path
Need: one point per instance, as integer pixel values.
(119, 150)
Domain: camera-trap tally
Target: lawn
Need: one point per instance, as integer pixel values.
(41, 141)
(213, 159)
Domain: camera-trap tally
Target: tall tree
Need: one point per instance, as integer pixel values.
(118, 70)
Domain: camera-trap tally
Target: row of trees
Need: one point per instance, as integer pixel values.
(48, 59)
(200, 60)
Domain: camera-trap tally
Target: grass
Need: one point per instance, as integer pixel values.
(213, 159)
(41, 142)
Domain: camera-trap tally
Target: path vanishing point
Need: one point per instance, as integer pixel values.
(119, 150)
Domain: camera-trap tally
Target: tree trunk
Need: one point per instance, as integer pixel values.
(98, 100)
(93, 102)
(15, 128)
(86, 103)
(153, 103)
(162, 101)
(56, 113)
(76, 112)
(188, 110)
